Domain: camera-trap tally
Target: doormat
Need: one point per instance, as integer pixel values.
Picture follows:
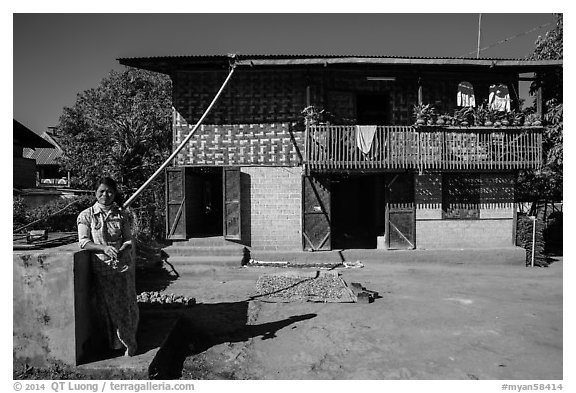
(318, 286)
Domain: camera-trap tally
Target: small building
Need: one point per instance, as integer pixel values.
(24, 168)
(48, 168)
(357, 172)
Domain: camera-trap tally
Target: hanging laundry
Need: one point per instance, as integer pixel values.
(499, 98)
(364, 137)
(465, 96)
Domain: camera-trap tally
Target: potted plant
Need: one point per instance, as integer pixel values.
(499, 117)
(464, 117)
(444, 120)
(518, 118)
(421, 114)
(433, 116)
(532, 119)
(480, 115)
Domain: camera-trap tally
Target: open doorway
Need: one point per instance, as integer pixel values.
(373, 109)
(206, 201)
(358, 210)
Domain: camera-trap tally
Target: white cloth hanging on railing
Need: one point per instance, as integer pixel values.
(364, 137)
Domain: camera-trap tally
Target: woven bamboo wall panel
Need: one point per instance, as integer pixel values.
(238, 144)
(251, 97)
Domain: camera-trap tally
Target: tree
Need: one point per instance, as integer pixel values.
(547, 183)
(122, 129)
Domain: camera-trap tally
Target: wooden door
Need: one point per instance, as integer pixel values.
(176, 227)
(232, 209)
(400, 211)
(316, 213)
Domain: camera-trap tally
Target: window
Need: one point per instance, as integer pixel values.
(464, 194)
(461, 196)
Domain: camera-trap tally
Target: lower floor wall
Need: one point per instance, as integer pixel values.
(271, 207)
(428, 211)
(494, 229)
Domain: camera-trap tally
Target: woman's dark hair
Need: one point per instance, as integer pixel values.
(109, 182)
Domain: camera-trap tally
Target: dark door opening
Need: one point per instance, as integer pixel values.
(205, 206)
(373, 109)
(358, 211)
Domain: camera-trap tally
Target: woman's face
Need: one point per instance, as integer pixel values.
(105, 195)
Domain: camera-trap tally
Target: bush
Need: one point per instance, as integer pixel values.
(524, 240)
(553, 234)
(19, 215)
(61, 222)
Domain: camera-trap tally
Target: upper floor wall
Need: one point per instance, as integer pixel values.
(353, 96)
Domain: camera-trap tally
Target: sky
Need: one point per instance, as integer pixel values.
(57, 55)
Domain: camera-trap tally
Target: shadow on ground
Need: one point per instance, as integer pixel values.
(206, 325)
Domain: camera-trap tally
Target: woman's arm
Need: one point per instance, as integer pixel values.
(85, 239)
(126, 233)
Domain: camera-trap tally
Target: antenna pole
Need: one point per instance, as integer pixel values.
(479, 34)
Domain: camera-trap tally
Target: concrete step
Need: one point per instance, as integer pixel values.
(203, 241)
(227, 250)
(507, 256)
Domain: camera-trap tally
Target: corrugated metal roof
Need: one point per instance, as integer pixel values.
(167, 64)
(305, 56)
(43, 155)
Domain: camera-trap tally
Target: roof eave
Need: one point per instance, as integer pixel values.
(167, 65)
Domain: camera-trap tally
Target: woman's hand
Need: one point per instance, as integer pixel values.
(111, 251)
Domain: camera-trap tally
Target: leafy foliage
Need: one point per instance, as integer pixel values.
(547, 183)
(62, 222)
(550, 47)
(121, 129)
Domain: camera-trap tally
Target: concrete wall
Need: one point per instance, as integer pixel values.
(272, 207)
(52, 318)
(494, 229)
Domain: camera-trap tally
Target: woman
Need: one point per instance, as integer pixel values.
(104, 229)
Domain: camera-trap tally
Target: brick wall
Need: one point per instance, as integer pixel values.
(493, 229)
(271, 207)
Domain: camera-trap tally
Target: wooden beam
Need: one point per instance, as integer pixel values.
(539, 103)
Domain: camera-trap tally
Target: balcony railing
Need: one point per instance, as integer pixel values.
(330, 147)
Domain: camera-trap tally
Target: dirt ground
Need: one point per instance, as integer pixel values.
(433, 321)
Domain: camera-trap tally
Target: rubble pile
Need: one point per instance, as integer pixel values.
(292, 286)
(165, 299)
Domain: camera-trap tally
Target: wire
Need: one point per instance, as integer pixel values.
(45, 218)
(507, 39)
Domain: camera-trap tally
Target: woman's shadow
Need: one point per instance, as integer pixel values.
(206, 325)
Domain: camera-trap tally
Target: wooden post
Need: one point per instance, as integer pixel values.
(420, 97)
(539, 103)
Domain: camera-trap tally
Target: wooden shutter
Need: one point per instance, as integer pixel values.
(400, 211)
(316, 213)
(232, 208)
(176, 203)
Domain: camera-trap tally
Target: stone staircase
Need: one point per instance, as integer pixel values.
(207, 251)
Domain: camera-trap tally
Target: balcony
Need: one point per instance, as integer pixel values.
(334, 147)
